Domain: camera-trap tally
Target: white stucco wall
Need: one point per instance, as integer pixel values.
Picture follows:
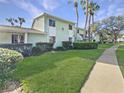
(34, 38)
(71, 33)
(60, 31)
(39, 24)
(52, 31)
(5, 38)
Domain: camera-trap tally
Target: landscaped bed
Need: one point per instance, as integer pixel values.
(120, 56)
(56, 72)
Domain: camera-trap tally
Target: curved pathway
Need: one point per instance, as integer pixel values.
(106, 76)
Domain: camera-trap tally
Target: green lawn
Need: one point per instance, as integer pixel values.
(120, 56)
(104, 46)
(59, 72)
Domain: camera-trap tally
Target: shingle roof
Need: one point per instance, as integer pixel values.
(16, 29)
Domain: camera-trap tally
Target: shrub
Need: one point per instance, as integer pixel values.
(8, 59)
(41, 47)
(67, 44)
(36, 51)
(59, 48)
(85, 45)
(44, 46)
(25, 49)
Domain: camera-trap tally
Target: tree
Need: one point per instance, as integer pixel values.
(114, 25)
(21, 21)
(110, 27)
(90, 9)
(85, 4)
(10, 20)
(77, 15)
(95, 8)
(15, 20)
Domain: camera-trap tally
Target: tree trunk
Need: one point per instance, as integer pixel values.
(87, 3)
(76, 10)
(93, 19)
(89, 33)
(86, 20)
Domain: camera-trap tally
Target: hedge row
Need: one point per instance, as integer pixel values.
(24, 49)
(67, 44)
(28, 49)
(41, 48)
(79, 45)
(85, 45)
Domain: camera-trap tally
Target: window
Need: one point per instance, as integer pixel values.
(21, 37)
(52, 39)
(70, 27)
(78, 31)
(14, 38)
(70, 39)
(17, 38)
(51, 23)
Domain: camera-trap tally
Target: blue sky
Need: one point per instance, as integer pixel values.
(31, 8)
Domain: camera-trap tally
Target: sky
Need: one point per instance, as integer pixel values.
(29, 9)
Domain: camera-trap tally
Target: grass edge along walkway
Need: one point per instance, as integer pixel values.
(106, 76)
(60, 72)
(120, 57)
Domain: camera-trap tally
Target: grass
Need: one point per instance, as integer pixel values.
(120, 57)
(104, 46)
(59, 72)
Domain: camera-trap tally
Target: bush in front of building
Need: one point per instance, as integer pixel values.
(44, 46)
(41, 47)
(25, 49)
(79, 45)
(8, 60)
(67, 45)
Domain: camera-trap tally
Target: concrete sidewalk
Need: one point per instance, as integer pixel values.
(106, 76)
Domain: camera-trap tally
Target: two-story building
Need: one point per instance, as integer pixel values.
(57, 29)
(45, 28)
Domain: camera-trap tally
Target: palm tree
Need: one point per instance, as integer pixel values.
(75, 2)
(85, 7)
(15, 20)
(21, 21)
(77, 17)
(10, 20)
(85, 4)
(89, 10)
(95, 8)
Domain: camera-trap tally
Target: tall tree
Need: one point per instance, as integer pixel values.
(10, 20)
(76, 4)
(89, 10)
(113, 26)
(21, 21)
(85, 7)
(95, 8)
(77, 17)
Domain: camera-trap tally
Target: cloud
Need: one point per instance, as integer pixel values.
(112, 8)
(24, 5)
(115, 10)
(27, 6)
(50, 5)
